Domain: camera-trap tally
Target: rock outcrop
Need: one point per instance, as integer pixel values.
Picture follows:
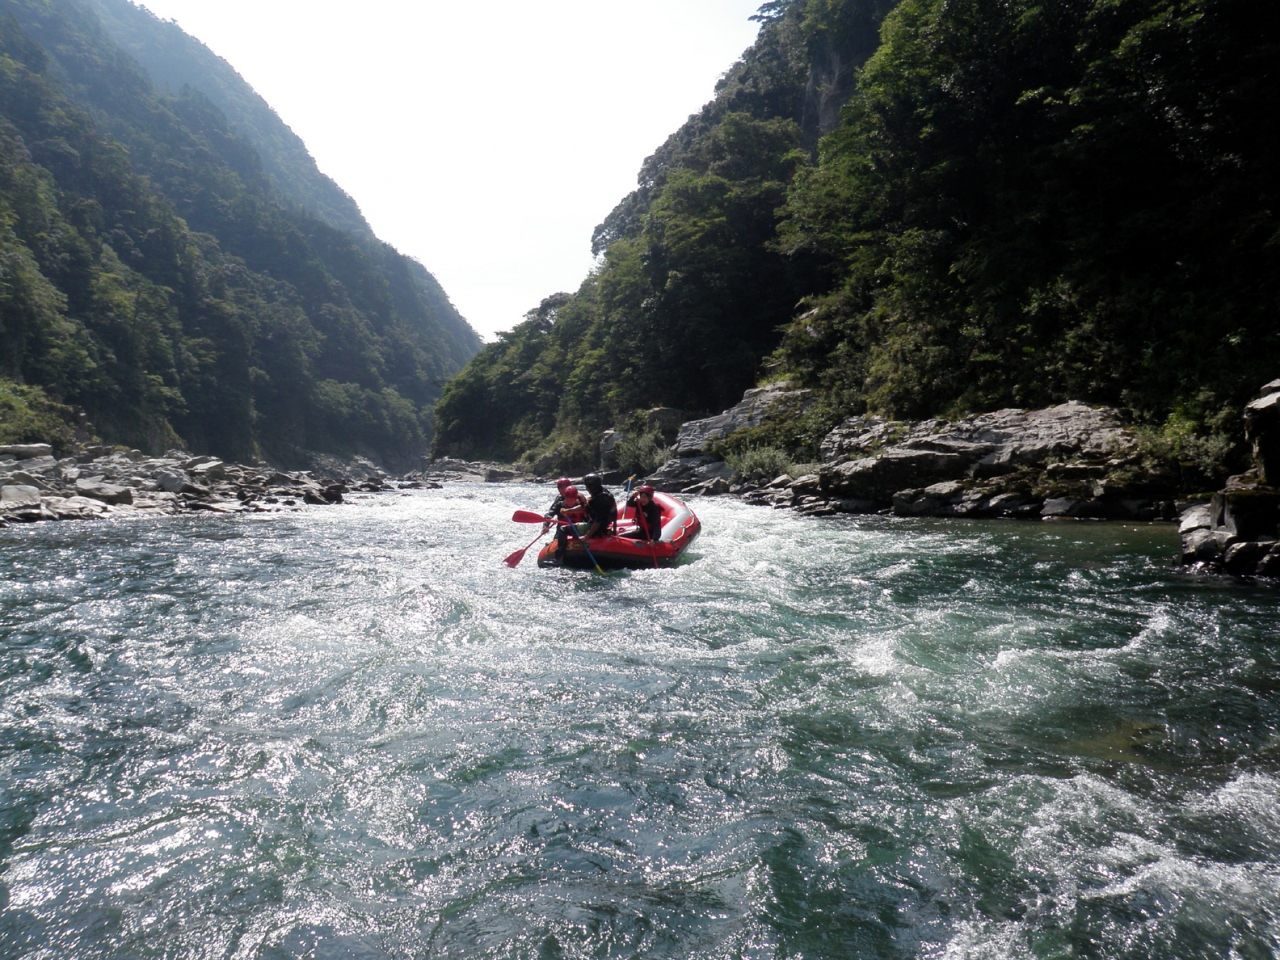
(1070, 461)
(104, 481)
(773, 400)
(1238, 531)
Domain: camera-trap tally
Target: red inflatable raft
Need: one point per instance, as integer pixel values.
(679, 528)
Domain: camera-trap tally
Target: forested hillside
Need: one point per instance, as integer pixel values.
(1019, 203)
(157, 272)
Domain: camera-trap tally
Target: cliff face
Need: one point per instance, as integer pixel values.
(164, 273)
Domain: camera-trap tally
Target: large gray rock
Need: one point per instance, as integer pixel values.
(683, 473)
(1262, 429)
(170, 481)
(609, 441)
(76, 508)
(25, 451)
(872, 458)
(880, 477)
(758, 405)
(19, 495)
(209, 471)
(31, 465)
(96, 488)
(991, 443)
(22, 478)
(1196, 517)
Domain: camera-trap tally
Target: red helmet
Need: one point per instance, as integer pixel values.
(563, 482)
(645, 488)
(570, 492)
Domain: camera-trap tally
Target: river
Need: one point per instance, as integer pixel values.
(351, 732)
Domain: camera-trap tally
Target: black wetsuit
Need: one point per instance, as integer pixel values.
(649, 519)
(602, 509)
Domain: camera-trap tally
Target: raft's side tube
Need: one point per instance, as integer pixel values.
(679, 517)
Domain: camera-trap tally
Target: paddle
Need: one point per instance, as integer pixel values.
(515, 558)
(528, 516)
(644, 528)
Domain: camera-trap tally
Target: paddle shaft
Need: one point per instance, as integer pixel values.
(515, 558)
(528, 516)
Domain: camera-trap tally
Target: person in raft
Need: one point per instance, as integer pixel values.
(557, 505)
(602, 509)
(648, 516)
(574, 509)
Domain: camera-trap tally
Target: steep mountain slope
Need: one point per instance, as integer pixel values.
(1022, 203)
(161, 280)
(691, 291)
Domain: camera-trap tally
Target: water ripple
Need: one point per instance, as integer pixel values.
(351, 732)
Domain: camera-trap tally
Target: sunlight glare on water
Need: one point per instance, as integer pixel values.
(352, 732)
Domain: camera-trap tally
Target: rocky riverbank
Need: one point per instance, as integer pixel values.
(98, 482)
(1238, 531)
(1070, 461)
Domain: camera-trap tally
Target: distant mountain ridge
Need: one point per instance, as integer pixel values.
(187, 278)
(174, 59)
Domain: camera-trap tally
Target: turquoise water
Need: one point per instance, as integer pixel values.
(350, 732)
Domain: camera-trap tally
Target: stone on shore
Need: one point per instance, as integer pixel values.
(97, 488)
(1238, 531)
(26, 451)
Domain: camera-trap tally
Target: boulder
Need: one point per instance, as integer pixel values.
(549, 461)
(1246, 512)
(879, 477)
(758, 405)
(1195, 517)
(19, 495)
(1200, 546)
(171, 482)
(76, 508)
(22, 478)
(709, 488)
(97, 488)
(1269, 566)
(210, 470)
(933, 500)
(26, 451)
(31, 465)
(1243, 558)
(1262, 430)
(609, 441)
(681, 473)
(1061, 507)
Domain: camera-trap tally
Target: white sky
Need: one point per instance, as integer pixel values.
(486, 139)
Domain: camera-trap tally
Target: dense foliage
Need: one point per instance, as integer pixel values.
(1022, 203)
(151, 272)
(1029, 202)
(690, 290)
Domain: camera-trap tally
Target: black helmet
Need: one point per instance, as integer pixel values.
(593, 483)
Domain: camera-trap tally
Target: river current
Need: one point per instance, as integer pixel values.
(351, 732)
